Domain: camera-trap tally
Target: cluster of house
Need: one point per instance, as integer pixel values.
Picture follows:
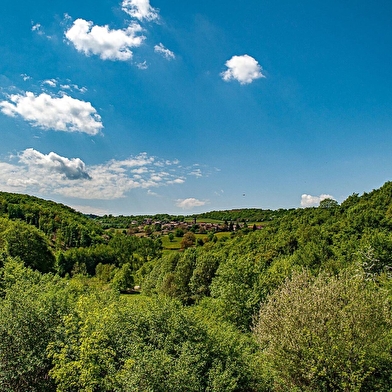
(199, 227)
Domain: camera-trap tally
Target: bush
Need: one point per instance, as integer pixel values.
(329, 333)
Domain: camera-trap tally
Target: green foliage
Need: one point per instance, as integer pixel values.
(62, 225)
(243, 215)
(108, 345)
(234, 289)
(30, 310)
(179, 232)
(123, 278)
(105, 272)
(121, 249)
(328, 203)
(83, 357)
(326, 329)
(188, 240)
(89, 257)
(327, 333)
(186, 276)
(18, 239)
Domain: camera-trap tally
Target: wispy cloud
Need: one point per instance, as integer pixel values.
(103, 42)
(90, 210)
(57, 113)
(191, 202)
(36, 27)
(309, 200)
(245, 69)
(51, 174)
(140, 9)
(142, 65)
(71, 87)
(196, 172)
(168, 54)
(25, 77)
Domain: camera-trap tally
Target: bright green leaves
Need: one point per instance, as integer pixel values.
(327, 333)
(109, 343)
(84, 355)
(30, 310)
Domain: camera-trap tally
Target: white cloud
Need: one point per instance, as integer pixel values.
(51, 174)
(309, 200)
(176, 181)
(36, 27)
(25, 77)
(168, 54)
(73, 87)
(140, 9)
(50, 82)
(245, 69)
(140, 170)
(189, 203)
(151, 193)
(71, 169)
(140, 160)
(196, 173)
(60, 114)
(90, 210)
(100, 40)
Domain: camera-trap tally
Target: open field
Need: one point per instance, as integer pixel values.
(176, 243)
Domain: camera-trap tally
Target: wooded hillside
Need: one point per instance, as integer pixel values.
(304, 303)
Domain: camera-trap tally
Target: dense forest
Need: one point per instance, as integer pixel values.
(301, 302)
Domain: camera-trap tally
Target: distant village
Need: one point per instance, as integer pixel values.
(149, 226)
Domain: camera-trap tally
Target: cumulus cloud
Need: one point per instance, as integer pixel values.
(52, 174)
(60, 114)
(189, 203)
(309, 200)
(71, 169)
(140, 9)
(168, 54)
(245, 69)
(103, 42)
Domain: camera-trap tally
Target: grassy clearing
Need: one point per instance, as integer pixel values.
(176, 243)
(172, 245)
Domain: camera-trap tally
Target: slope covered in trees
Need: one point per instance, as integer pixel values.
(63, 226)
(302, 304)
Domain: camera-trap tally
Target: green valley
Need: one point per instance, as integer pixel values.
(236, 300)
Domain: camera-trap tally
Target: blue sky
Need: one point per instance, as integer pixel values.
(143, 107)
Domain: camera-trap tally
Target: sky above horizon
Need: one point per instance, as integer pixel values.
(150, 106)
